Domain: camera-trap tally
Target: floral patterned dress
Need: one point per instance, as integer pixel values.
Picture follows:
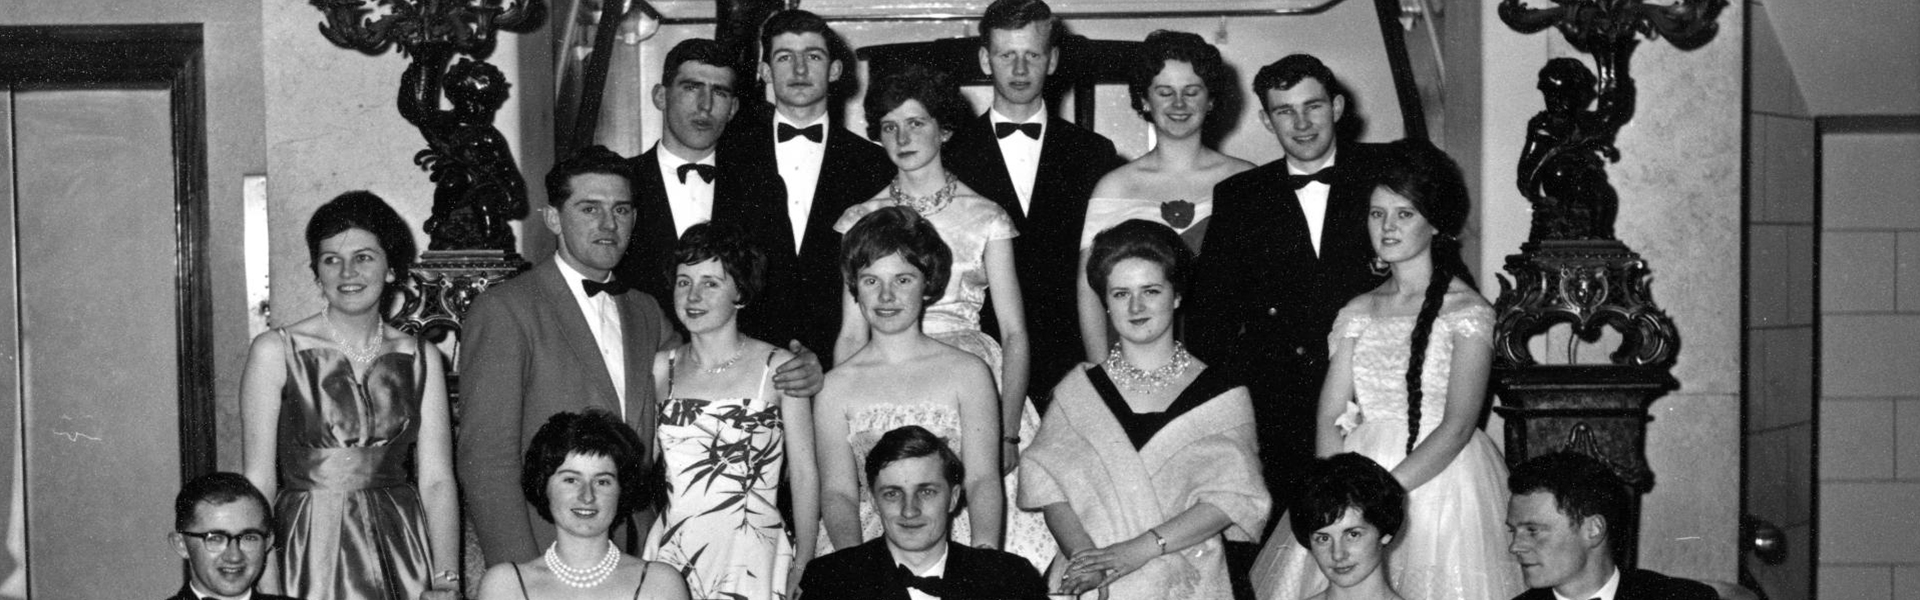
(722, 529)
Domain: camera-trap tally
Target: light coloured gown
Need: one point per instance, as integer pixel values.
(351, 525)
(1454, 543)
(1186, 217)
(722, 528)
(967, 225)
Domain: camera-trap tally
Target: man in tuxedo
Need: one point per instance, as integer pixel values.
(915, 481)
(1286, 249)
(681, 180)
(1041, 170)
(223, 529)
(814, 171)
(1563, 514)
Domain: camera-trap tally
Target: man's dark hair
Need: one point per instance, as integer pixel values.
(1008, 15)
(728, 243)
(794, 21)
(699, 50)
(1289, 71)
(365, 211)
(1348, 480)
(913, 441)
(1581, 486)
(596, 159)
(216, 488)
(591, 433)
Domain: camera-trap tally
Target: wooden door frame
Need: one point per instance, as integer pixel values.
(168, 55)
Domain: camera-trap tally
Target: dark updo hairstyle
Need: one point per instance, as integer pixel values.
(739, 257)
(896, 230)
(1342, 481)
(1425, 176)
(1142, 239)
(591, 433)
(362, 210)
(1162, 46)
(933, 88)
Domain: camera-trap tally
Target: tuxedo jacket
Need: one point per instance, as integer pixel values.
(186, 593)
(526, 353)
(1072, 161)
(648, 263)
(868, 572)
(802, 290)
(1641, 584)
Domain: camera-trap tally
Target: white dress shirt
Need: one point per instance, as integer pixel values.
(1313, 201)
(799, 160)
(248, 595)
(1022, 154)
(937, 569)
(692, 200)
(1606, 592)
(603, 319)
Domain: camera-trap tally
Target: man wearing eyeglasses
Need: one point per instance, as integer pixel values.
(223, 529)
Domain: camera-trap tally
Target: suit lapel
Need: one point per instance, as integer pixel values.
(991, 176)
(1049, 178)
(573, 324)
(638, 336)
(655, 214)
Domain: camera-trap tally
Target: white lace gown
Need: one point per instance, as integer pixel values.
(1454, 543)
(967, 225)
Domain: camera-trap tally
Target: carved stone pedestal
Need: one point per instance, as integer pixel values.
(443, 284)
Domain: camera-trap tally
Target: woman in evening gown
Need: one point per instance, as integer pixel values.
(724, 433)
(1405, 387)
(894, 264)
(334, 407)
(915, 112)
(1177, 80)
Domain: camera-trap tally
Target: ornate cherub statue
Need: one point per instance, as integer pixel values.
(477, 185)
(1563, 167)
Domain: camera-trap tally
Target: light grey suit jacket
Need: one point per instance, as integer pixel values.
(527, 354)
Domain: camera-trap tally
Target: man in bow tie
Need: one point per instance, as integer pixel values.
(1287, 247)
(567, 335)
(1566, 514)
(1042, 170)
(915, 481)
(813, 170)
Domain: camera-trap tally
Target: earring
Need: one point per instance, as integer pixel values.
(1378, 266)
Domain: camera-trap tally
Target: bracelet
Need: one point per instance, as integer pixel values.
(1159, 540)
(1011, 439)
(448, 576)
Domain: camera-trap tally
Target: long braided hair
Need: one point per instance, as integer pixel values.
(1432, 182)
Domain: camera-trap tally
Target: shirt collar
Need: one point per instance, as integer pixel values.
(1038, 116)
(938, 568)
(780, 117)
(1333, 154)
(1608, 591)
(673, 161)
(200, 593)
(573, 277)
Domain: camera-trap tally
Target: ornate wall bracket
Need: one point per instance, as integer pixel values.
(443, 284)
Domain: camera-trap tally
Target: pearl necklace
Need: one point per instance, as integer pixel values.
(361, 355)
(1139, 380)
(926, 205)
(582, 578)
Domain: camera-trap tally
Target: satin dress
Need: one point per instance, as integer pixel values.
(351, 525)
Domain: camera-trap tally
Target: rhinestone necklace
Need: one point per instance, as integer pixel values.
(582, 578)
(925, 205)
(724, 365)
(364, 354)
(1139, 380)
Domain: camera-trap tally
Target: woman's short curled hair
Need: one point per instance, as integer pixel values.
(361, 209)
(1137, 238)
(933, 88)
(896, 230)
(1342, 481)
(1162, 46)
(590, 433)
(728, 243)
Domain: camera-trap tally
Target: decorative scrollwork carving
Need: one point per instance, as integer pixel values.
(1588, 286)
(441, 287)
(468, 26)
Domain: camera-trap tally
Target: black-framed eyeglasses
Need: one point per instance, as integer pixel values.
(216, 541)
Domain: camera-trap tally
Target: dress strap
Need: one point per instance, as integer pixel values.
(644, 567)
(766, 374)
(523, 581)
(672, 355)
(1103, 385)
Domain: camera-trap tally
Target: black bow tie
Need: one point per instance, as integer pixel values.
(1006, 129)
(612, 287)
(932, 586)
(1327, 176)
(787, 132)
(705, 171)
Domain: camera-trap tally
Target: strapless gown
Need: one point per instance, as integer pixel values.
(724, 461)
(1453, 545)
(1187, 217)
(967, 225)
(351, 526)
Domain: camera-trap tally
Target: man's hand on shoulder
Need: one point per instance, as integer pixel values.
(801, 376)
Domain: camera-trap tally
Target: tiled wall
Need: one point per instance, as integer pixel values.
(1780, 310)
(1870, 365)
